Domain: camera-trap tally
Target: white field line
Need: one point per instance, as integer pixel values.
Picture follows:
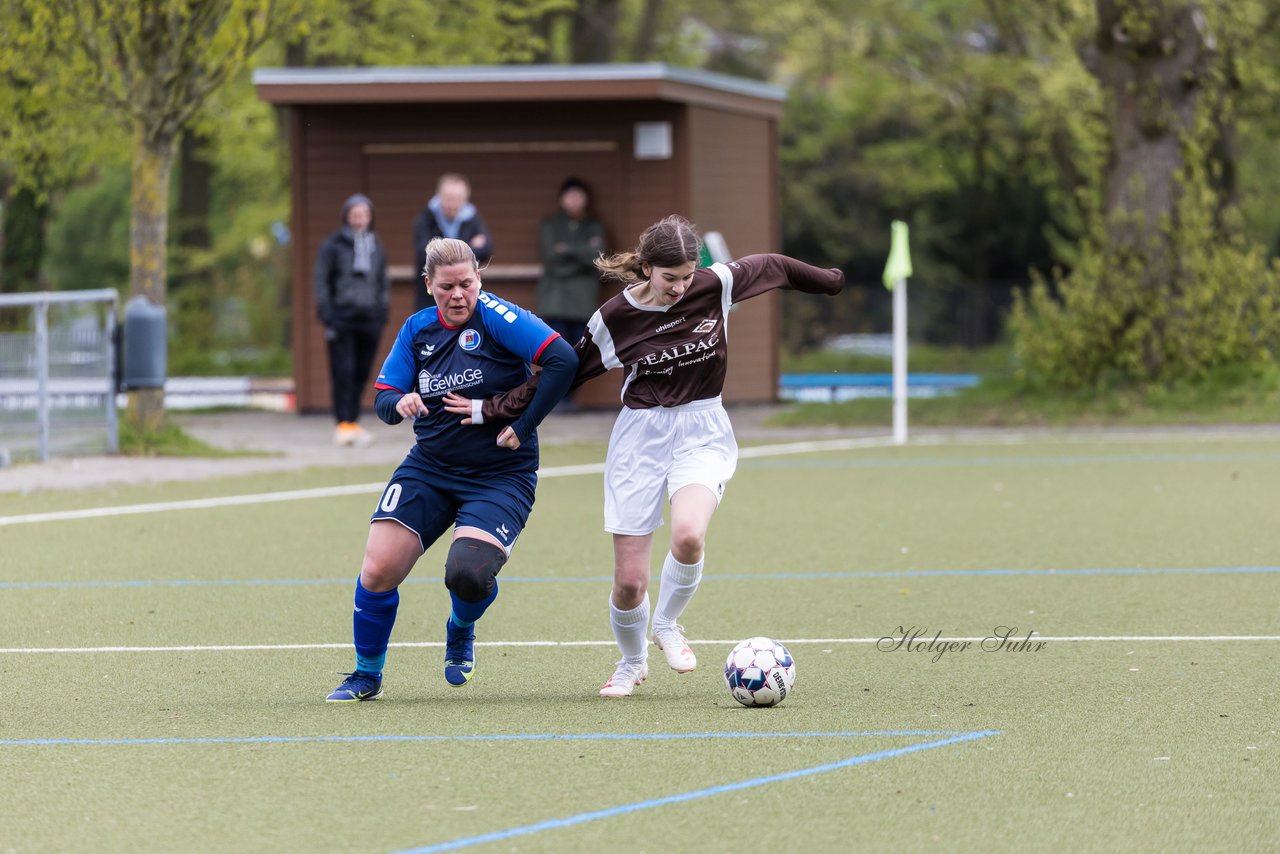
(193, 504)
(374, 488)
(586, 643)
(937, 439)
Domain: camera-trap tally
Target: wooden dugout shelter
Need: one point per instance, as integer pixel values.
(649, 139)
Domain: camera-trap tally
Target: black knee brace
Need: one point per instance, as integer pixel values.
(470, 568)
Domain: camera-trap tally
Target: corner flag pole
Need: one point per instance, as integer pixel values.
(896, 272)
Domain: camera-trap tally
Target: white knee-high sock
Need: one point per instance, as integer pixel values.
(629, 628)
(679, 583)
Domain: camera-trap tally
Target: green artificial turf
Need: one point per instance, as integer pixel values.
(1082, 744)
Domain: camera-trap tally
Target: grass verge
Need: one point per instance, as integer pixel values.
(170, 440)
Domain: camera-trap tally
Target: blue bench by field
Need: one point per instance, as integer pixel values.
(833, 388)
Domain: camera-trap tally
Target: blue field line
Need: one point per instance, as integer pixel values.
(983, 573)
(527, 736)
(605, 579)
(596, 815)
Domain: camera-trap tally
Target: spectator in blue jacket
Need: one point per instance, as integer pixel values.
(449, 214)
(352, 301)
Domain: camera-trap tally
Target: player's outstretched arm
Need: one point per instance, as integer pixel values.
(501, 407)
(559, 365)
(758, 274)
(509, 405)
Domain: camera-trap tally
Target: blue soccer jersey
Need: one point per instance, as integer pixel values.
(488, 355)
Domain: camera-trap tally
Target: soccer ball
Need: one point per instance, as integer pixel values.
(759, 672)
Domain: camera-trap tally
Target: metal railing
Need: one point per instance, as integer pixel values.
(51, 371)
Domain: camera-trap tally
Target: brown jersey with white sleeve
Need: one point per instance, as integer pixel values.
(675, 354)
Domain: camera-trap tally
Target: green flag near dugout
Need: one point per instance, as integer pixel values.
(898, 267)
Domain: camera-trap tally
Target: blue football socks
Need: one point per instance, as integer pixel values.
(372, 621)
(465, 614)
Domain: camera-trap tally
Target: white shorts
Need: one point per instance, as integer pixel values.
(653, 448)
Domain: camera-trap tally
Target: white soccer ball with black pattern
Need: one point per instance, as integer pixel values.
(760, 672)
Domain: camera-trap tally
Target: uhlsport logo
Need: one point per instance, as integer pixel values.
(469, 340)
(704, 327)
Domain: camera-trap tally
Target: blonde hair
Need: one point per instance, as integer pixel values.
(443, 251)
(670, 242)
(454, 178)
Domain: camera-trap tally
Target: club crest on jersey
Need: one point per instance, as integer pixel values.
(469, 340)
(704, 327)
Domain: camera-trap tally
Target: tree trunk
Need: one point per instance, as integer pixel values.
(541, 30)
(595, 31)
(1150, 57)
(980, 196)
(195, 174)
(22, 241)
(646, 40)
(1154, 60)
(192, 300)
(4, 227)
(148, 252)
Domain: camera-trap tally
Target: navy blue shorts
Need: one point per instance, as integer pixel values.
(429, 502)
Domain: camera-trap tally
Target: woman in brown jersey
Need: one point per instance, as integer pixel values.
(668, 330)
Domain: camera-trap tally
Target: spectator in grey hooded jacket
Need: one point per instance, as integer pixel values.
(352, 300)
(449, 214)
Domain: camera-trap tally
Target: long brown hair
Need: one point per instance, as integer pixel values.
(670, 242)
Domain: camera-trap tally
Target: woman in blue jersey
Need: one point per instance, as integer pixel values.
(454, 476)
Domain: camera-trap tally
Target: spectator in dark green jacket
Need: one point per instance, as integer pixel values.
(352, 301)
(569, 290)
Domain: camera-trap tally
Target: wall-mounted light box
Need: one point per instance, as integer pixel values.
(653, 141)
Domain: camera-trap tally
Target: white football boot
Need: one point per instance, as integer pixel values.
(670, 639)
(625, 679)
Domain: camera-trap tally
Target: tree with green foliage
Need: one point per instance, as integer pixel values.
(959, 116)
(47, 140)
(151, 63)
(1168, 286)
(983, 125)
(422, 32)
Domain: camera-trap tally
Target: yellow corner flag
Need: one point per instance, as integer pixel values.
(898, 266)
